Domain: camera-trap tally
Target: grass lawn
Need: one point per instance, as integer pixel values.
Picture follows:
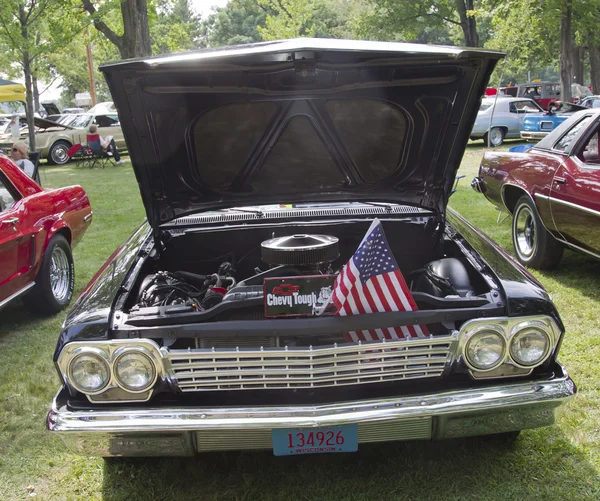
(558, 462)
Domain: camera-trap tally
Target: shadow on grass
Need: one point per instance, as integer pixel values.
(540, 464)
(578, 271)
(14, 317)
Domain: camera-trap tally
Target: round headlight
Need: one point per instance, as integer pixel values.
(485, 349)
(134, 371)
(529, 347)
(89, 372)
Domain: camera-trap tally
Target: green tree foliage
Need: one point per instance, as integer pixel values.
(32, 29)
(236, 23)
(305, 18)
(175, 28)
(528, 32)
(425, 21)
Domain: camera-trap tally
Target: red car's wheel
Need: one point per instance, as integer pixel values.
(534, 246)
(55, 280)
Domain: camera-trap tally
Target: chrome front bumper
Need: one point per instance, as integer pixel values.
(534, 134)
(184, 431)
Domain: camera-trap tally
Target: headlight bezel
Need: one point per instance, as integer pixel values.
(94, 352)
(509, 326)
(517, 330)
(136, 350)
(111, 349)
(474, 334)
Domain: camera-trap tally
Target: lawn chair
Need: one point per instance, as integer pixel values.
(100, 157)
(82, 155)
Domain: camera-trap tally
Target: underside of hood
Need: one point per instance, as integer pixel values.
(304, 120)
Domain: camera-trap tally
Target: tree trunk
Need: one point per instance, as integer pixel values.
(135, 41)
(594, 49)
(136, 31)
(27, 73)
(36, 94)
(566, 41)
(577, 54)
(467, 23)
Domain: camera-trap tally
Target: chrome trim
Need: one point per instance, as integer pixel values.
(531, 324)
(87, 217)
(572, 205)
(217, 369)
(141, 350)
(476, 411)
(581, 249)
(20, 292)
(112, 350)
(507, 325)
(472, 333)
(533, 135)
(257, 214)
(93, 352)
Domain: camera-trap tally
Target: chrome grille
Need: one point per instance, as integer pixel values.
(250, 439)
(314, 367)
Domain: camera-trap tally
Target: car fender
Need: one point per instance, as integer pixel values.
(523, 292)
(89, 317)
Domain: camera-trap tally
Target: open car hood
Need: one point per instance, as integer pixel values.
(42, 123)
(297, 121)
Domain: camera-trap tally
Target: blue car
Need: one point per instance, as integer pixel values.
(537, 125)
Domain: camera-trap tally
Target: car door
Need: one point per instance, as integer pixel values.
(15, 258)
(575, 191)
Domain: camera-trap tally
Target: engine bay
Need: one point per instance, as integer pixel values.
(194, 280)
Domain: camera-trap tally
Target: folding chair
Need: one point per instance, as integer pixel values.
(81, 154)
(99, 156)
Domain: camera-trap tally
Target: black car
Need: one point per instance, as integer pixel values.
(263, 169)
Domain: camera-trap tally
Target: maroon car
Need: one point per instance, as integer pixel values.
(38, 229)
(552, 190)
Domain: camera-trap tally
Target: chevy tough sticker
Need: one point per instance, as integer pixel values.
(297, 296)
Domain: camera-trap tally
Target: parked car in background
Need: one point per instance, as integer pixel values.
(53, 139)
(510, 90)
(591, 102)
(204, 331)
(551, 191)
(537, 126)
(75, 111)
(501, 118)
(543, 93)
(38, 229)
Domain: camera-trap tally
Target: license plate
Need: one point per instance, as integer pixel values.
(291, 441)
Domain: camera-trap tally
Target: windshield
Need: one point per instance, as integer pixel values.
(81, 121)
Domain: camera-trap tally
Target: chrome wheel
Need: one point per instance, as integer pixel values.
(60, 274)
(496, 136)
(525, 232)
(58, 154)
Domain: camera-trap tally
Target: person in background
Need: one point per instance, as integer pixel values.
(19, 155)
(15, 128)
(107, 143)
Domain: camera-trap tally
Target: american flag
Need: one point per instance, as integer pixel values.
(372, 282)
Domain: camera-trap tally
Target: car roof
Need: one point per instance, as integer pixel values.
(548, 142)
(507, 99)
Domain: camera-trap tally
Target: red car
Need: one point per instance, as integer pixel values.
(38, 229)
(552, 191)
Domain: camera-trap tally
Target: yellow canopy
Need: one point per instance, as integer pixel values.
(11, 91)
